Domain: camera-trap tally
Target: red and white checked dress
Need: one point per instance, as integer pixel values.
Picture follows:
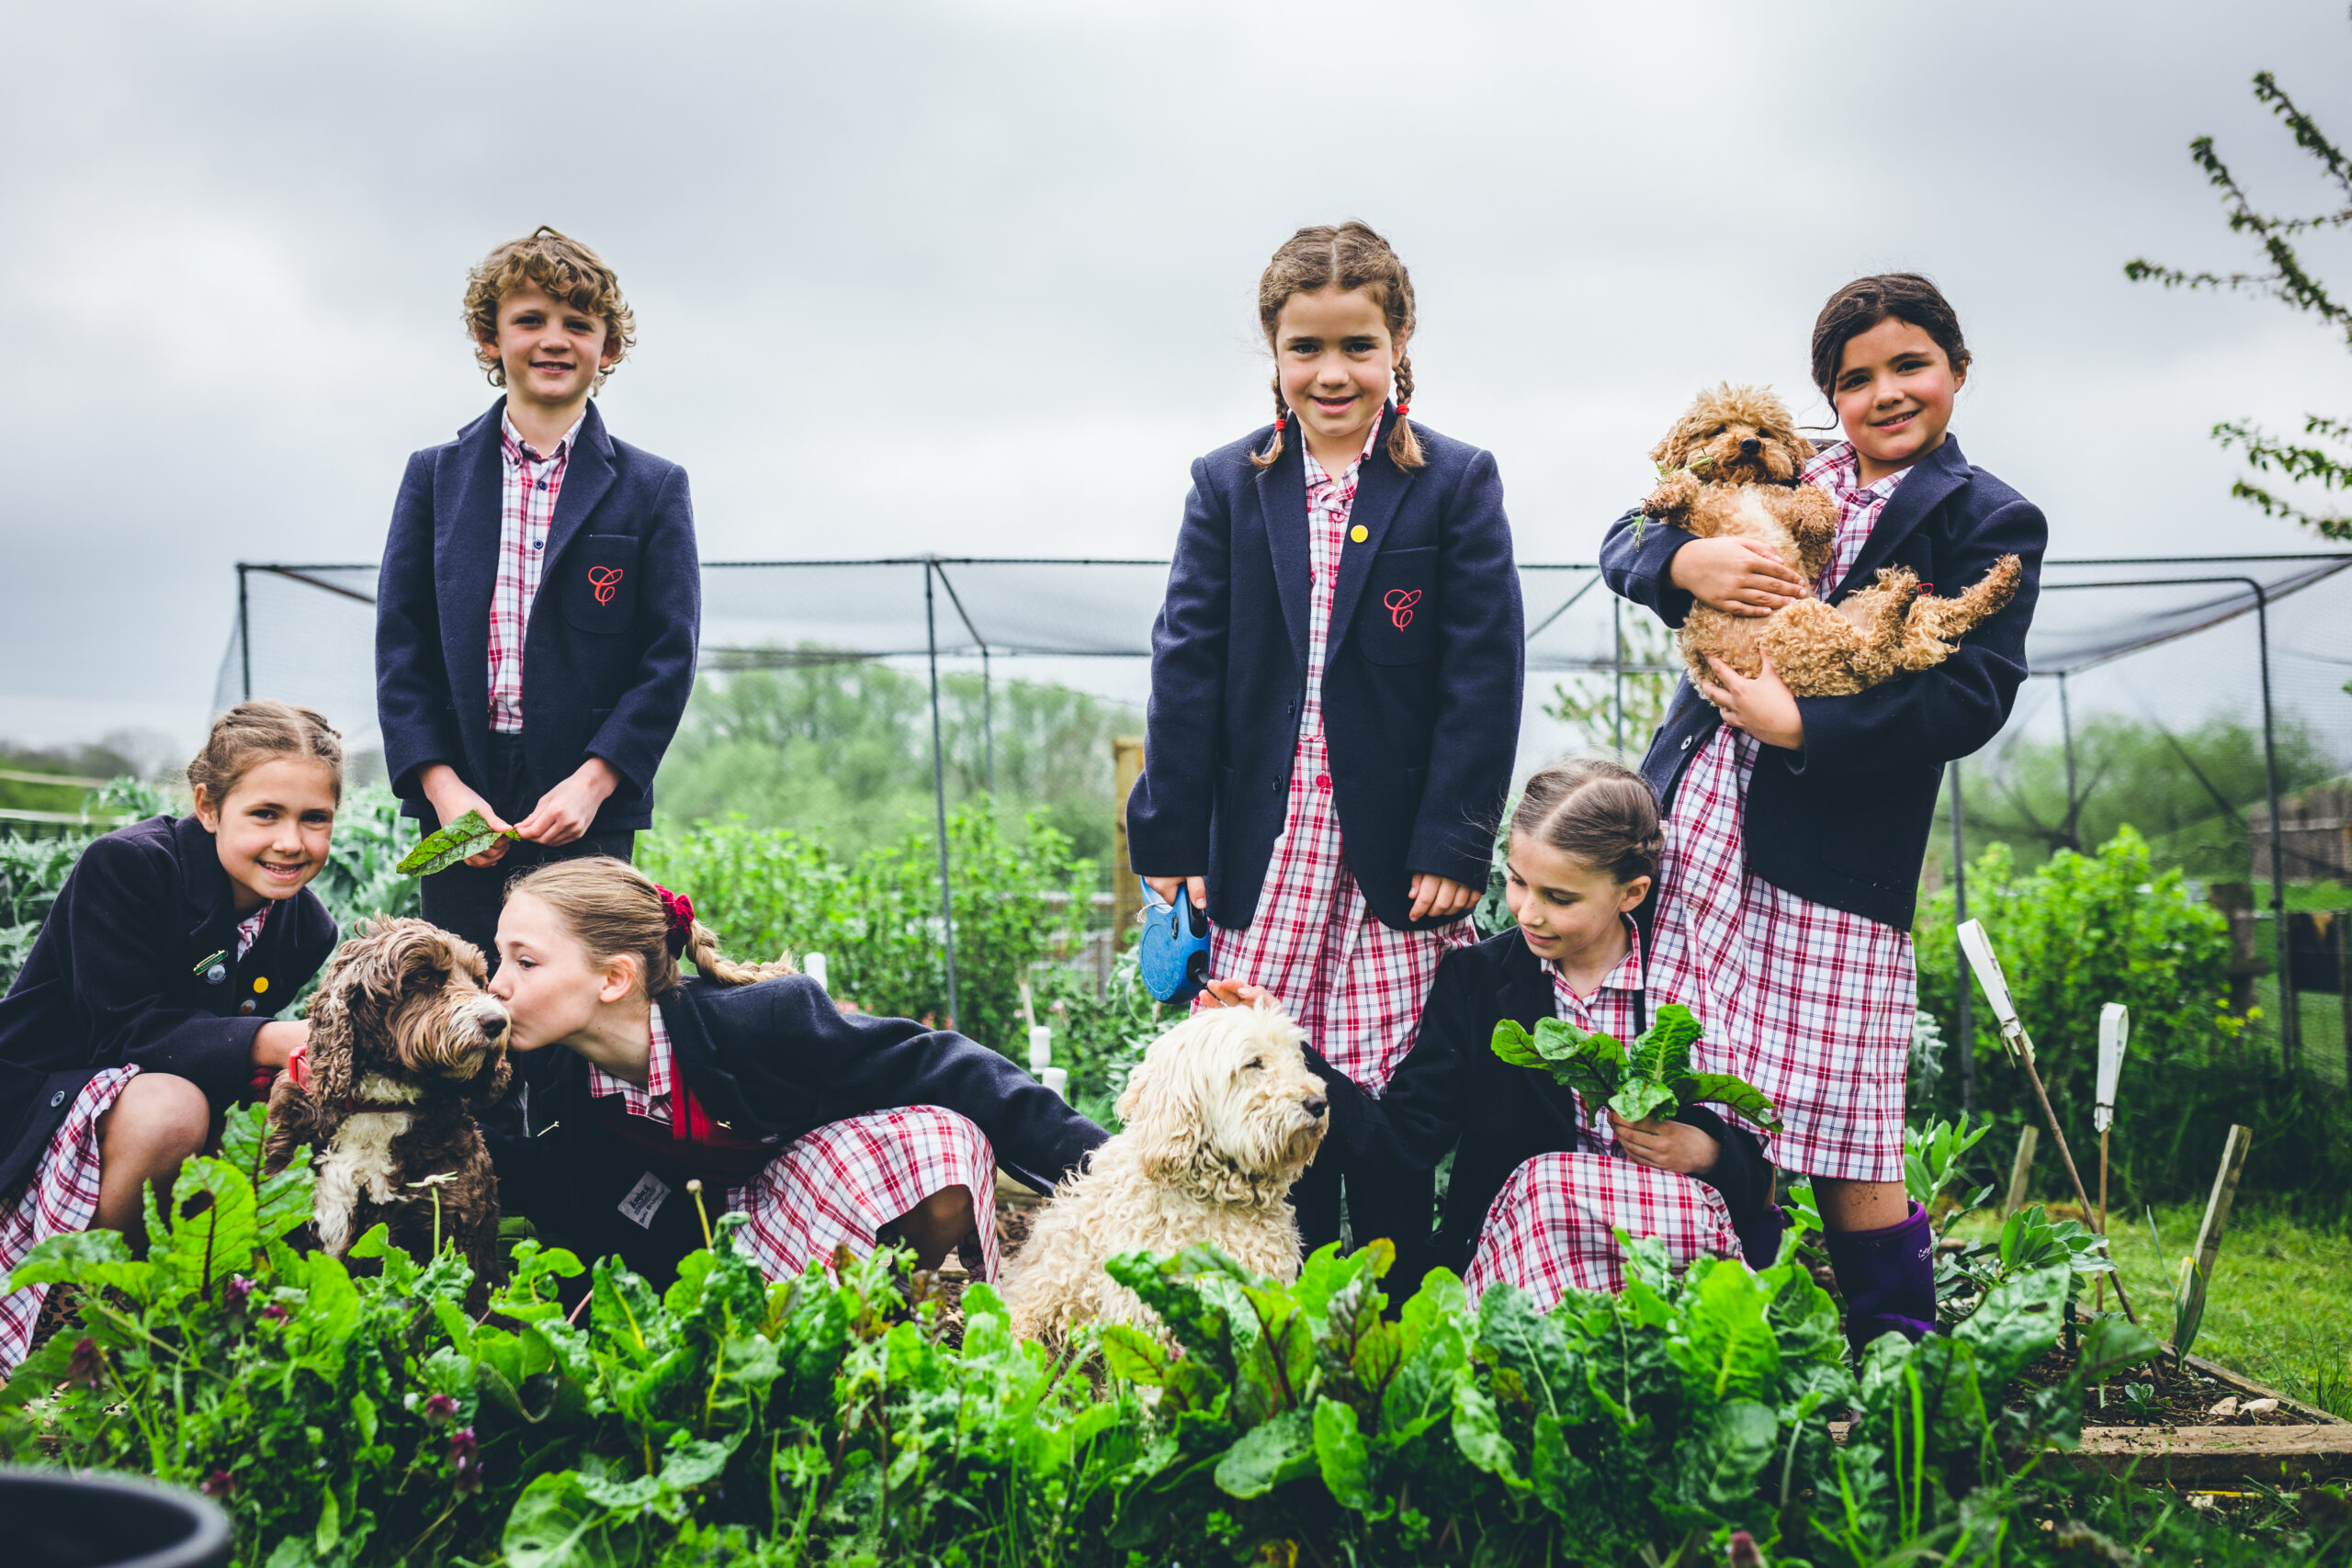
(1354, 985)
(60, 1197)
(840, 1183)
(528, 493)
(1812, 1005)
(1553, 1228)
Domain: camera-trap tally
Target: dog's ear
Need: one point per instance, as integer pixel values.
(1161, 1108)
(328, 1052)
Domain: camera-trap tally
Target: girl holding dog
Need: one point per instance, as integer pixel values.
(826, 1129)
(1542, 1185)
(1795, 827)
(147, 1006)
(1335, 693)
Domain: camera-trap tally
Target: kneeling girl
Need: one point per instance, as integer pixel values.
(147, 1006)
(826, 1129)
(1542, 1182)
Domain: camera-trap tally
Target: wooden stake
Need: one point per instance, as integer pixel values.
(2020, 1172)
(1127, 888)
(2033, 1076)
(2209, 1235)
(2098, 1289)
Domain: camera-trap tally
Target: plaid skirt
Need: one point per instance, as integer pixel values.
(60, 1198)
(1354, 985)
(840, 1184)
(1553, 1226)
(1812, 1005)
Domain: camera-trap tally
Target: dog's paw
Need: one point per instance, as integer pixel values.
(1675, 494)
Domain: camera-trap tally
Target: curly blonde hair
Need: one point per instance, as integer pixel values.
(613, 907)
(569, 271)
(1348, 258)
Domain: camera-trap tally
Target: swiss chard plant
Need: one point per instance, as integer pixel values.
(459, 842)
(1650, 1077)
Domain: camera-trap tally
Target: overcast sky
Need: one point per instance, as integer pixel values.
(978, 277)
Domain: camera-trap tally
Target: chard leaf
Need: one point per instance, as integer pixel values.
(1663, 1050)
(1725, 1088)
(1515, 1045)
(1134, 1355)
(1478, 1433)
(94, 1261)
(1640, 1098)
(1267, 1455)
(1346, 1463)
(461, 839)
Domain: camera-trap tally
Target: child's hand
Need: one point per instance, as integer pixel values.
(1233, 993)
(565, 811)
(451, 800)
(1198, 886)
(1666, 1145)
(1764, 707)
(1440, 896)
(276, 1040)
(1739, 577)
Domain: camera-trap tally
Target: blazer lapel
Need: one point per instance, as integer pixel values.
(1282, 508)
(1380, 488)
(465, 559)
(209, 914)
(1525, 995)
(1934, 476)
(587, 477)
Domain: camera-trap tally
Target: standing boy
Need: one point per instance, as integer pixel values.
(540, 598)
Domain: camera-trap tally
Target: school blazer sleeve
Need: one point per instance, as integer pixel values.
(639, 729)
(1957, 707)
(1481, 673)
(1168, 813)
(1421, 1115)
(1640, 569)
(411, 678)
(861, 1063)
(118, 935)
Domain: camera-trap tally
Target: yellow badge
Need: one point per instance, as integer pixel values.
(261, 983)
(1359, 534)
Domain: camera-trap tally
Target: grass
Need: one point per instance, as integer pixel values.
(2280, 1306)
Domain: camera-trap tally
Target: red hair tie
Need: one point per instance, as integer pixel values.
(1404, 409)
(681, 910)
(1281, 419)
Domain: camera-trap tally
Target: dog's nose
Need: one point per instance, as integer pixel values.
(1749, 446)
(494, 1025)
(1316, 1104)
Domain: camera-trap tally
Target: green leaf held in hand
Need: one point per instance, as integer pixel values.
(460, 840)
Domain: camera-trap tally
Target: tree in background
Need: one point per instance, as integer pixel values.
(1588, 702)
(2284, 279)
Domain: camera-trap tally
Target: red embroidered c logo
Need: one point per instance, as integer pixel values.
(1400, 603)
(605, 579)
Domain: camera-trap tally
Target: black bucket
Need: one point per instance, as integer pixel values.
(57, 1520)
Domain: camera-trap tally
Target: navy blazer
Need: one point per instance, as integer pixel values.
(774, 1059)
(1844, 821)
(1453, 1092)
(119, 975)
(609, 657)
(1420, 683)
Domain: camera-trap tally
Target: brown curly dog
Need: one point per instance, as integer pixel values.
(405, 1046)
(1730, 466)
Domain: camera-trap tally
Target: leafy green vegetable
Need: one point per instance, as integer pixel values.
(1651, 1076)
(460, 840)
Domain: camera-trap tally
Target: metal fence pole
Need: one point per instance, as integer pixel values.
(939, 791)
(2290, 1025)
(2066, 728)
(1617, 658)
(1958, 915)
(988, 724)
(244, 635)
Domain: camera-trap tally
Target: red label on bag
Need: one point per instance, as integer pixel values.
(605, 580)
(1400, 603)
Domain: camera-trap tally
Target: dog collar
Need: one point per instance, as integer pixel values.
(298, 1064)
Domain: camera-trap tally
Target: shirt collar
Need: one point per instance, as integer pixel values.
(1316, 475)
(1836, 468)
(516, 450)
(1626, 977)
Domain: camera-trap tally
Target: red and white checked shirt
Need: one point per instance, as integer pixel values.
(652, 1101)
(1838, 470)
(249, 929)
(527, 507)
(1614, 1008)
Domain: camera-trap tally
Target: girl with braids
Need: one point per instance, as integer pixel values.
(1543, 1183)
(1796, 825)
(1335, 695)
(825, 1130)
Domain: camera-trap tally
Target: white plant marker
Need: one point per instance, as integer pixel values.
(813, 965)
(2114, 1031)
(1041, 1060)
(1996, 986)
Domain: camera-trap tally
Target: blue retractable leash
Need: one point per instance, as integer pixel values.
(1174, 955)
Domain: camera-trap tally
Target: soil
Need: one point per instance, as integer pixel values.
(2179, 1396)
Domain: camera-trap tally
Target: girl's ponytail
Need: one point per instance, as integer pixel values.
(614, 907)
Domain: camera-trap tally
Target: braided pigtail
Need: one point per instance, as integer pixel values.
(1265, 459)
(1404, 447)
(702, 952)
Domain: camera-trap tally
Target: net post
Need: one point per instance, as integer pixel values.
(988, 724)
(2288, 1021)
(244, 635)
(1958, 917)
(939, 787)
(1617, 659)
(2074, 805)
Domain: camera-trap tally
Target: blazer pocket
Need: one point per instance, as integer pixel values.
(600, 583)
(1397, 623)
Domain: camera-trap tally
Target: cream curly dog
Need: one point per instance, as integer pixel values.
(1221, 1116)
(1730, 465)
